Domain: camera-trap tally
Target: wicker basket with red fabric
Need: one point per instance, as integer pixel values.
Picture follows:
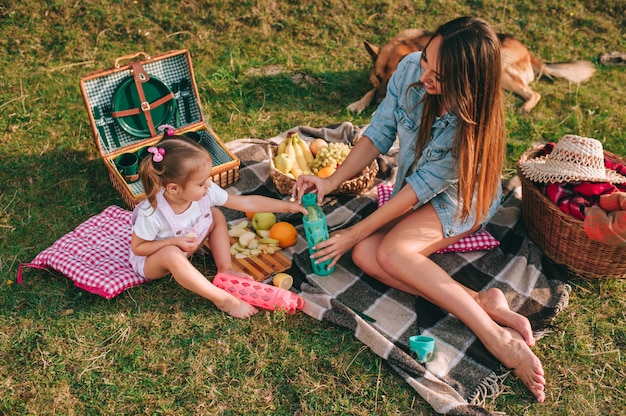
(574, 205)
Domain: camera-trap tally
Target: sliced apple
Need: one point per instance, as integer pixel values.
(245, 238)
(263, 233)
(237, 232)
(268, 240)
(239, 248)
(272, 249)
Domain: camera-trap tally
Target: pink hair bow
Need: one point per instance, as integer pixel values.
(167, 129)
(157, 152)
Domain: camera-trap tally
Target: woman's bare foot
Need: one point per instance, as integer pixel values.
(235, 307)
(510, 348)
(497, 307)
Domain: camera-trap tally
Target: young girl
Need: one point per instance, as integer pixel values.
(445, 106)
(180, 212)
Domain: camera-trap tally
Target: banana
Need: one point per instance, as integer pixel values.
(300, 159)
(296, 171)
(281, 147)
(291, 151)
(305, 150)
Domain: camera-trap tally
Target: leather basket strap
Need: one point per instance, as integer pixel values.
(140, 76)
(135, 111)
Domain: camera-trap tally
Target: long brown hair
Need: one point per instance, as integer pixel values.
(182, 158)
(470, 70)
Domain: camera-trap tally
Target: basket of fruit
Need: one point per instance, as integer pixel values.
(294, 157)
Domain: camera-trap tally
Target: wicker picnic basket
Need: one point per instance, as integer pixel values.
(562, 237)
(127, 102)
(356, 186)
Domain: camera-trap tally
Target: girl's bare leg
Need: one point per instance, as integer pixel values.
(220, 245)
(394, 256)
(172, 260)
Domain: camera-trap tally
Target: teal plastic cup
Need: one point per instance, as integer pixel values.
(423, 347)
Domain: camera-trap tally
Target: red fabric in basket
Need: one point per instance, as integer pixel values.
(95, 255)
(480, 240)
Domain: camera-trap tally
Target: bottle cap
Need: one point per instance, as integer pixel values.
(309, 199)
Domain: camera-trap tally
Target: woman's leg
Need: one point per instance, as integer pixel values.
(393, 257)
(172, 260)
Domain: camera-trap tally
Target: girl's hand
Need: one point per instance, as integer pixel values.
(335, 246)
(295, 207)
(187, 243)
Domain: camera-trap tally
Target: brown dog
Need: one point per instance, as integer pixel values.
(519, 67)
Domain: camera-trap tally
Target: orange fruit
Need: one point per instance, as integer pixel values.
(285, 233)
(249, 215)
(326, 171)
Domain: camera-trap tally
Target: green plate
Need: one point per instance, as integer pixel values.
(126, 97)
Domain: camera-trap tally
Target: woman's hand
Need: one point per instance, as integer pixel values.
(336, 245)
(306, 184)
(361, 155)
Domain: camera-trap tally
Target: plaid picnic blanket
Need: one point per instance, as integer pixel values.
(462, 374)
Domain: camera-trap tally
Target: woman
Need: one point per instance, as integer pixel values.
(445, 106)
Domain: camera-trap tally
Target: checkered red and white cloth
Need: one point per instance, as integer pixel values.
(94, 255)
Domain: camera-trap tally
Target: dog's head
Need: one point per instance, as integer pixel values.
(385, 60)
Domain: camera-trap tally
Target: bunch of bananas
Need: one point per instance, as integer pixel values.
(293, 157)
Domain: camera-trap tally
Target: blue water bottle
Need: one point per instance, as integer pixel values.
(315, 230)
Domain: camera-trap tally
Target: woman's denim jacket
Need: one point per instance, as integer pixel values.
(434, 177)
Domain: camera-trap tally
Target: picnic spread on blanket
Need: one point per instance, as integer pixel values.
(460, 374)
(564, 214)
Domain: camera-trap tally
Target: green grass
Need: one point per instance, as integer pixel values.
(158, 349)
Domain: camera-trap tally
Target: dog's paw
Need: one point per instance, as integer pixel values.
(356, 107)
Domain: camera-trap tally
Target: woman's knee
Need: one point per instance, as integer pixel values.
(368, 256)
(364, 255)
(393, 259)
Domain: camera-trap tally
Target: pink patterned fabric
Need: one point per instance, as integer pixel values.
(94, 255)
(384, 194)
(480, 240)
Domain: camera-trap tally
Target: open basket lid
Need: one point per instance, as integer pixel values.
(119, 114)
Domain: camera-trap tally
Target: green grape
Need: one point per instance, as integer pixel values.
(331, 155)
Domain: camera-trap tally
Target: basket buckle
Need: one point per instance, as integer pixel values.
(145, 106)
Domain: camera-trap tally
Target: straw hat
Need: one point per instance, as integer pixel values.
(573, 159)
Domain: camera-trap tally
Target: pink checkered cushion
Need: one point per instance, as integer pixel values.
(94, 255)
(480, 240)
